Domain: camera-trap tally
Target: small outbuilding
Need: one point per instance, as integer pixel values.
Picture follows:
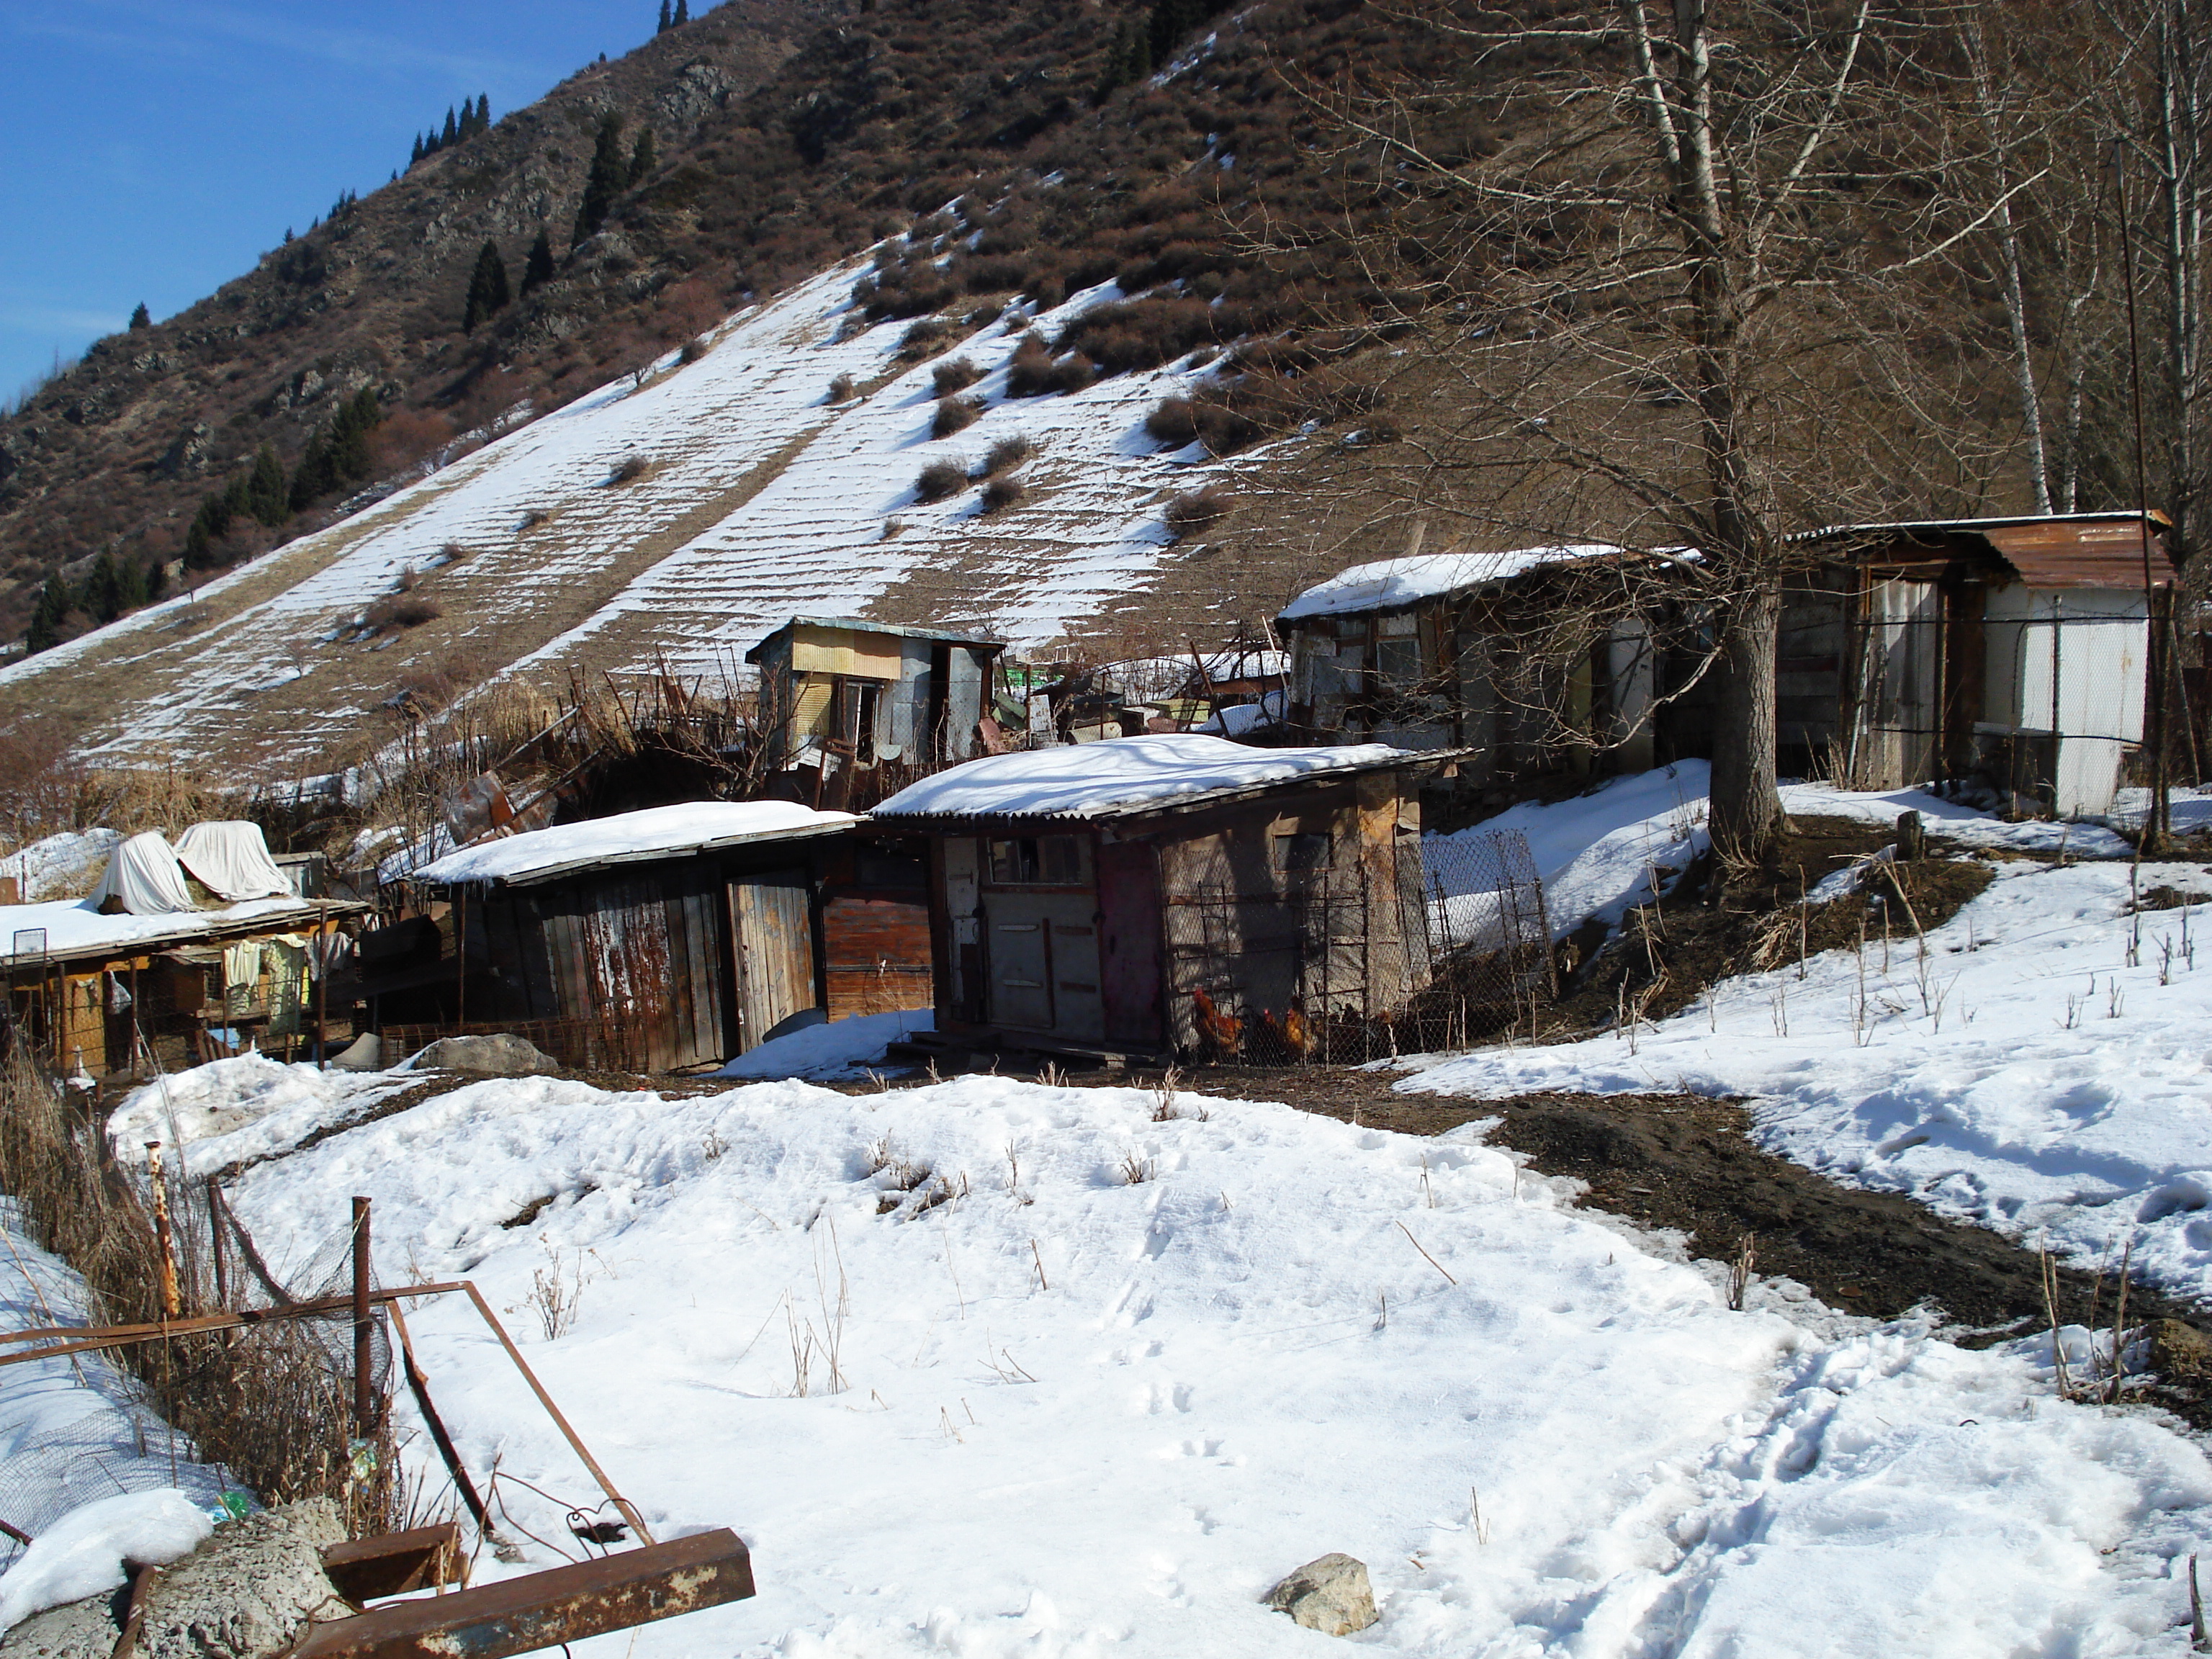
(850, 709)
(1168, 895)
(2009, 650)
(1465, 650)
(181, 954)
(673, 937)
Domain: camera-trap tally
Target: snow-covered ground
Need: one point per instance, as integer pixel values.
(2042, 1067)
(72, 1432)
(965, 1387)
(60, 866)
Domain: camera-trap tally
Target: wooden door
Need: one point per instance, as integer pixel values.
(1129, 954)
(1020, 957)
(1079, 1012)
(774, 929)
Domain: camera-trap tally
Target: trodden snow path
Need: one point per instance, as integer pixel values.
(1062, 1413)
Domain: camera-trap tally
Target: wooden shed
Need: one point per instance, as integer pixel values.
(1440, 650)
(1155, 896)
(116, 992)
(854, 709)
(2009, 650)
(673, 937)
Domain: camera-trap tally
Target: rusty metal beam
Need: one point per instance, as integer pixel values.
(545, 1609)
(76, 1339)
(371, 1568)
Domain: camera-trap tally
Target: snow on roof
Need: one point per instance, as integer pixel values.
(75, 929)
(1388, 583)
(1088, 780)
(658, 832)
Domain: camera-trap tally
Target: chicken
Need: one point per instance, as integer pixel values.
(1292, 1033)
(1223, 1033)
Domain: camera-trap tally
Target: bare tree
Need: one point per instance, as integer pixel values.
(1700, 302)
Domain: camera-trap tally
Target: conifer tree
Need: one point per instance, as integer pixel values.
(140, 319)
(641, 156)
(487, 289)
(415, 155)
(663, 27)
(265, 496)
(539, 268)
(683, 12)
(156, 580)
(47, 617)
(609, 177)
(452, 130)
(484, 112)
(103, 590)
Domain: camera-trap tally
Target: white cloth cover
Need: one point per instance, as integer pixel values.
(145, 874)
(233, 859)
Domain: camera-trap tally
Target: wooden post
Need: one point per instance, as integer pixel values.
(316, 961)
(1911, 838)
(460, 959)
(364, 1325)
(172, 1304)
(214, 1232)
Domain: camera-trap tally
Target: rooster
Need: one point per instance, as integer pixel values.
(1223, 1033)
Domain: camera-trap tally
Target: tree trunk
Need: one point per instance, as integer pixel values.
(1746, 807)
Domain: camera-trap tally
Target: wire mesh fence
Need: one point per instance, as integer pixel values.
(1450, 947)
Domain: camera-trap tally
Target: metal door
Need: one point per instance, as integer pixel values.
(775, 936)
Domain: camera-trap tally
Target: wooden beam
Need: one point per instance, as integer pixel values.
(545, 1609)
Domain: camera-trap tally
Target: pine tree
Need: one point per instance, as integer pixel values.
(609, 176)
(265, 496)
(663, 27)
(683, 12)
(140, 317)
(47, 617)
(103, 590)
(415, 155)
(487, 289)
(484, 112)
(641, 156)
(453, 132)
(157, 580)
(538, 269)
(350, 429)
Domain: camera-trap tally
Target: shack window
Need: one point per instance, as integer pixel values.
(1039, 861)
(1399, 660)
(1303, 854)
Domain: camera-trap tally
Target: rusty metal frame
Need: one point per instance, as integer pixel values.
(547, 1609)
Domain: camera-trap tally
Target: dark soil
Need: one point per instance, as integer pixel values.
(1709, 927)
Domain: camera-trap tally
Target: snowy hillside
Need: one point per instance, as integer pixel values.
(761, 497)
(965, 1388)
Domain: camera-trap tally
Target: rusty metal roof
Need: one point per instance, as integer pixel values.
(2046, 550)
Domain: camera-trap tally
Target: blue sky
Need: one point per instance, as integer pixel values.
(156, 148)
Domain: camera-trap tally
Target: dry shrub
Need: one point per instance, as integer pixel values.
(843, 388)
(940, 481)
(1175, 421)
(694, 349)
(954, 375)
(272, 1405)
(405, 436)
(1029, 371)
(1002, 493)
(924, 337)
(629, 469)
(408, 578)
(955, 415)
(397, 611)
(1195, 510)
(1005, 455)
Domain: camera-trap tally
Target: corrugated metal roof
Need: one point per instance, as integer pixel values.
(2048, 551)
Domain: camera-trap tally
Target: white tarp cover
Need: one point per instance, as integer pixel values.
(232, 857)
(143, 872)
